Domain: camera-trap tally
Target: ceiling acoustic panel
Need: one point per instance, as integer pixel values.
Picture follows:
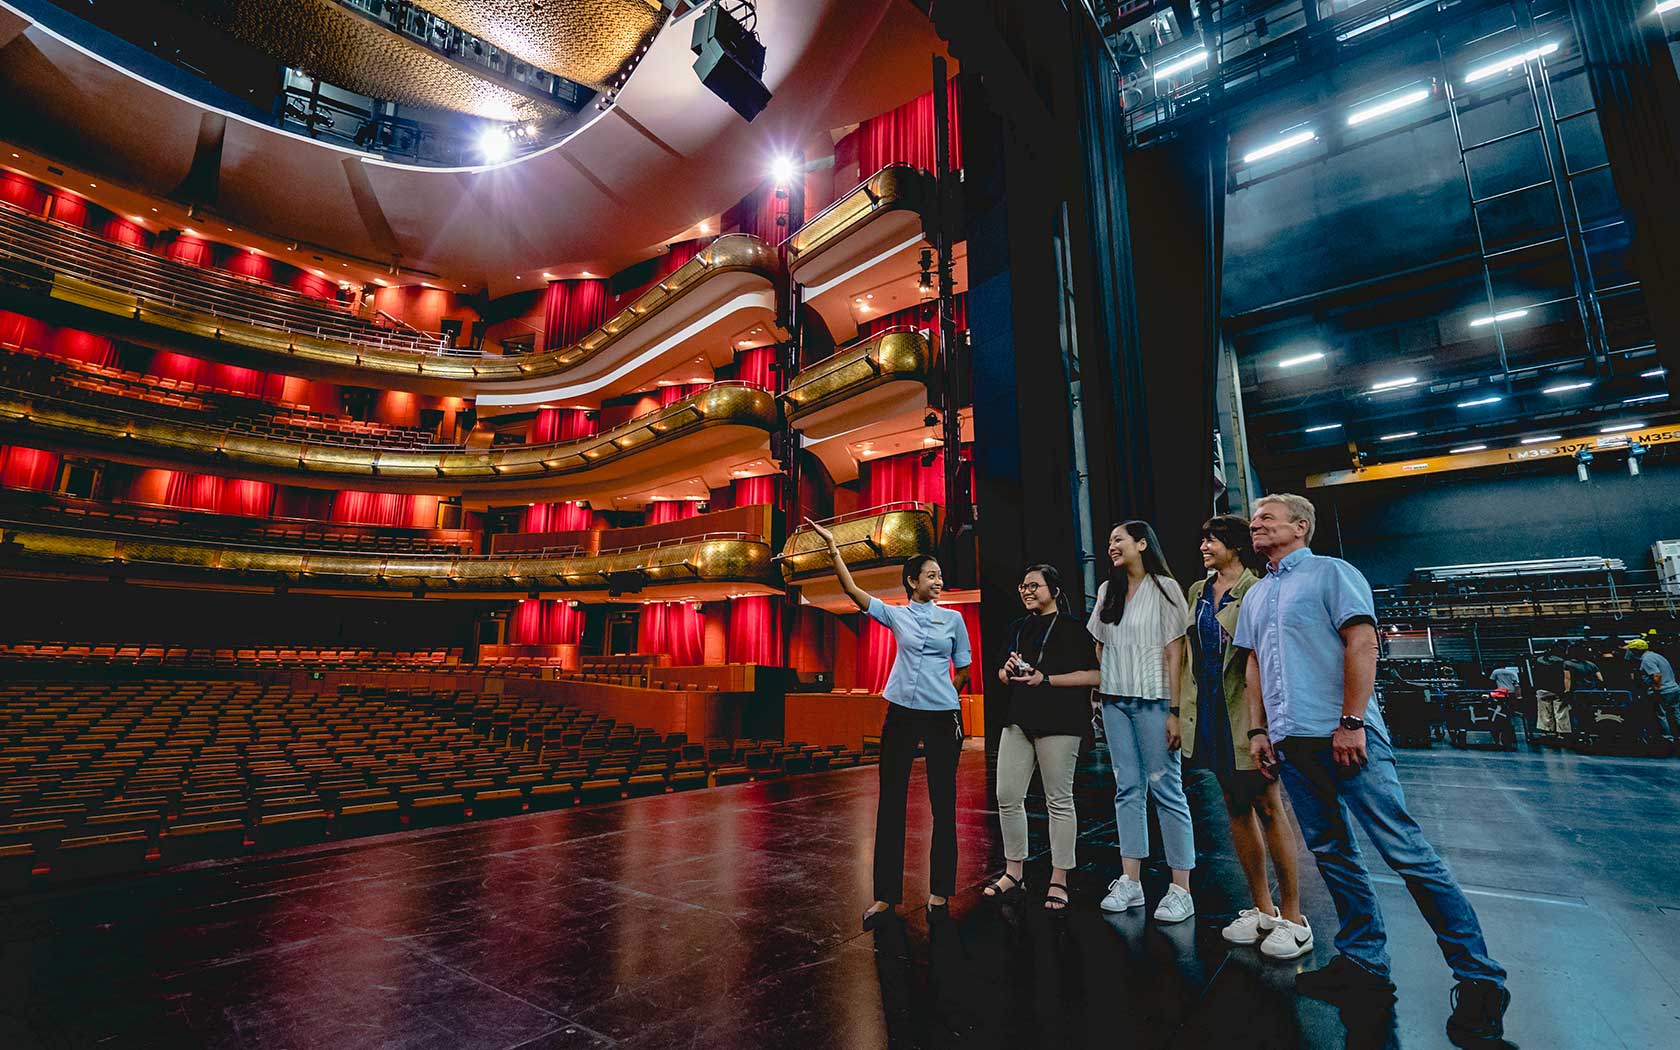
(327, 41)
(582, 40)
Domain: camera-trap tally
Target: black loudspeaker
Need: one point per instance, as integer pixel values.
(619, 583)
(729, 60)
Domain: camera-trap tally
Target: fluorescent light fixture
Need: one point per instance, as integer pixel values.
(1655, 372)
(1385, 20)
(1564, 388)
(1393, 384)
(1186, 61)
(1508, 315)
(1643, 399)
(1283, 145)
(1543, 438)
(1509, 62)
(1621, 427)
(1663, 8)
(1470, 448)
(1291, 362)
(1397, 437)
(1406, 100)
(1322, 427)
(1492, 399)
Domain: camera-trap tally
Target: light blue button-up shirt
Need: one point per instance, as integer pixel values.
(1292, 621)
(931, 640)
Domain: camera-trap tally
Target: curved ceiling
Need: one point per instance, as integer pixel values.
(666, 155)
(582, 40)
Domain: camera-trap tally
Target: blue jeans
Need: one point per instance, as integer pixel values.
(1324, 795)
(1137, 750)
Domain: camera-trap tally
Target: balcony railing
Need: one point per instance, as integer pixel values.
(866, 538)
(56, 422)
(898, 354)
(896, 187)
(1632, 594)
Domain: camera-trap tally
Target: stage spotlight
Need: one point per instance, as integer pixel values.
(782, 169)
(494, 146)
(729, 57)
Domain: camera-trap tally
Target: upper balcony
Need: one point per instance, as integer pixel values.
(874, 543)
(704, 568)
(704, 435)
(70, 277)
(861, 257)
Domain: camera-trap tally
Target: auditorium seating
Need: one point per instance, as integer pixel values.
(102, 778)
(126, 391)
(75, 253)
(129, 654)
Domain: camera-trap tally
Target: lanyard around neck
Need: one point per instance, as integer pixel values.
(1043, 643)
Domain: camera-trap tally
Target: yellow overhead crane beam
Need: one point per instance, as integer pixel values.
(1498, 457)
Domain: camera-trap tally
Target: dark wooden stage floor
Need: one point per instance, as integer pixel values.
(729, 918)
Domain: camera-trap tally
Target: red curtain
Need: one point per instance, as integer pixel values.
(74, 345)
(922, 315)
(905, 135)
(677, 254)
(313, 286)
(247, 382)
(189, 250)
(876, 650)
(28, 468)
(674, 628)
(563, 424)
(389, 509)
(755, 630)
(67, 208)
(541, 622)
(218, 495)
(661, 511)
(24, 193)
(121, 231)
(753, 366)
(571, 310)
(752, 491)
(760, 214)
(895, 479)
(250, 264)
(670, 395)
(971, 620)
(557, 517)
(27, 332)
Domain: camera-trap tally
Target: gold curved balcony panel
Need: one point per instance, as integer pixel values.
(865, 381)
(730, 283)
(867, 540)
(883, 211)
(727, 562)
(735, 415)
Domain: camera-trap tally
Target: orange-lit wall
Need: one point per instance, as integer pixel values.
(425, 308)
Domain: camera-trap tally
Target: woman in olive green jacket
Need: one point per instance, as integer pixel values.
(1213, 722)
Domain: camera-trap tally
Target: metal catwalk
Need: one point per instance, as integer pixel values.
(729, 918)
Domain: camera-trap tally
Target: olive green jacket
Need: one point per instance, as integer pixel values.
(1236, 705)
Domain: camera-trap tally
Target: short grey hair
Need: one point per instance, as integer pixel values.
(1300, 508)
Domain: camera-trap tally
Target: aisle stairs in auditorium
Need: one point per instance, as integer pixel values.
(99, 779)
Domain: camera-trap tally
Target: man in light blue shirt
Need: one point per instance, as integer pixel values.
(1311, 631)
(1658, 676)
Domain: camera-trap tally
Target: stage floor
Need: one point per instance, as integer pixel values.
(728, 918)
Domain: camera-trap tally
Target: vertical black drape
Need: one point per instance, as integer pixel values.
(1176, 203)
(1638, 96)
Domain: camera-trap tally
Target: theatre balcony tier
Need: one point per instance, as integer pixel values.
(701, 436)
(861, 258)
(709, 567)
(878, 378)
(874, 543)
(69, 277)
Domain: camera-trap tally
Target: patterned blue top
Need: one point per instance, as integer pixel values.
(1292, 621)
(931, 640)
(1213, 747)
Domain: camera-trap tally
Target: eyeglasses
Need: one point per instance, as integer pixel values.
(1028, 588)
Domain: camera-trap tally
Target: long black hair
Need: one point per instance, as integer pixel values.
(1052, 580)
(1154, 564)
(1232, 531)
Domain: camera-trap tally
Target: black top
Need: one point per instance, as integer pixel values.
(1043, 710)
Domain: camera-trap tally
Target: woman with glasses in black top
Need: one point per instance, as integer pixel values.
(1050, 668)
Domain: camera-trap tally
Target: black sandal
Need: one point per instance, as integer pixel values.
(995, 890)
(1056, 903)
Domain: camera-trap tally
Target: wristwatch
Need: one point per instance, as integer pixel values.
(1353, 722)
(1262, 730)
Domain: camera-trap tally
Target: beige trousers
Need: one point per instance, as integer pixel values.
(1055, 758)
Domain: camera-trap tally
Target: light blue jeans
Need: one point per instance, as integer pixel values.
(1143, 768)
(1327, 798)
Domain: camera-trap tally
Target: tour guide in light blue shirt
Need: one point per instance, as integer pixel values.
(1311, 632)
(923, 707)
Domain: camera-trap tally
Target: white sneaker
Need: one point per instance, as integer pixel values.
(1124, 894)
(1287, 940)
(1176, 906)
(1249, 927)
